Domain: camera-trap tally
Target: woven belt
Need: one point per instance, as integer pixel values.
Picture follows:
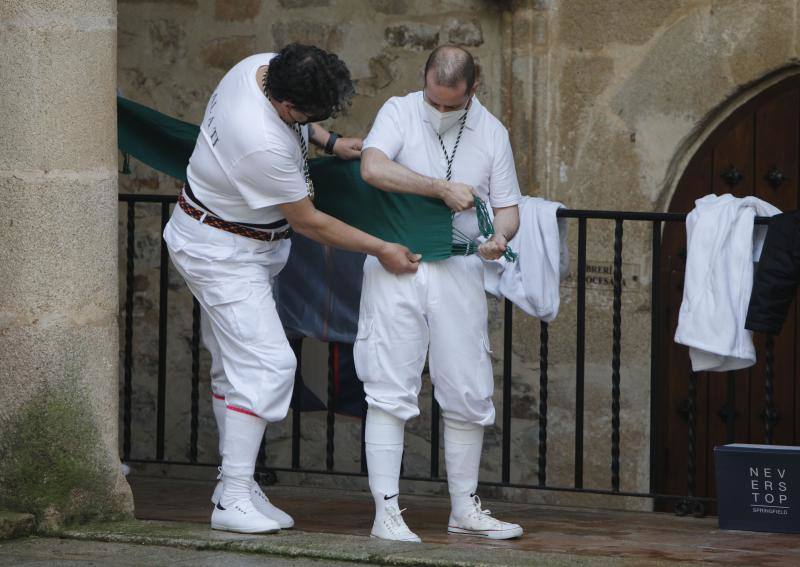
(211, 220)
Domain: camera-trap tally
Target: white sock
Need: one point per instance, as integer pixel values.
(243, 434)
(384, 447)
(220, 410)
(463, 443)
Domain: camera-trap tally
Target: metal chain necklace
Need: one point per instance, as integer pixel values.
(303, 147)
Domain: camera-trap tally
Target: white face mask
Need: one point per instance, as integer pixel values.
(443, 121)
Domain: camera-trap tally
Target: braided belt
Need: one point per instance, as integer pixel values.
(210, 220)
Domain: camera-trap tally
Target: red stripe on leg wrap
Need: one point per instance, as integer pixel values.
(241, 410)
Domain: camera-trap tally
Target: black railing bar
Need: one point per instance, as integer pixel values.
(769, 373)
(631, 215)
(435, 428)
(580, 353)
(543, 354)
(147, 198)
(363, 441)
(441, 479)
(655, 348)
(163, 283)
(195, 379)
(730, 405)
(128, 360)
(616, 360)
(295, 405)
(563, 213)
(508, 336)
(330, 416)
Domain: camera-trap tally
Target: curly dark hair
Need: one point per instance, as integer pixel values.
(316, 82)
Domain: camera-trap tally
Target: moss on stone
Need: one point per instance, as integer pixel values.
(13, 524)
(50, 462)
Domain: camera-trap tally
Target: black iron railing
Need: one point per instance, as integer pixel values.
(686, 503)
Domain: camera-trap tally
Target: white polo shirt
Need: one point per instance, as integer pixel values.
(246, 160)
(483, 159)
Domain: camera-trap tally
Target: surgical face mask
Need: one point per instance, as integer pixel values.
(443, 121)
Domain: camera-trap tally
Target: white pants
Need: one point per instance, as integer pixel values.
(231, 276)
(441, 307)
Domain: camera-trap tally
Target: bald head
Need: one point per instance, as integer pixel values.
(449, 66)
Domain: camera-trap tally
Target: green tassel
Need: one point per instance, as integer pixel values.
(487, 228)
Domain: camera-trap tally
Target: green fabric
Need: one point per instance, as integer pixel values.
(422, 224)
(162, 142)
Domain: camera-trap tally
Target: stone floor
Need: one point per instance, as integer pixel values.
(37, 551)
(575, 535)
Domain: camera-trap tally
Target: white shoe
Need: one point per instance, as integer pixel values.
(481, 523)
(393, 527)
(242, 517)
(268, 509)
(262, 504)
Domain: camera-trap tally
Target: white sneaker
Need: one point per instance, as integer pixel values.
(242, 517)
(480, 523)
(262, 504)
(267, 508)
(393, 527)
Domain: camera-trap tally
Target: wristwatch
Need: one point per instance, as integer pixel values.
(331, 141)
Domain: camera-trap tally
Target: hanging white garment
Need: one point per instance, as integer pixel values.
(532, 283)
(722, 244)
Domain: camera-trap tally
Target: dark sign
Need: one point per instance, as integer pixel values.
(755, 486)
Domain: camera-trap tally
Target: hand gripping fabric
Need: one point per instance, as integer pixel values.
(422, 224)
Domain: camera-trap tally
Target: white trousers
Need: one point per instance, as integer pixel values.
(231, 276)
(442, 307)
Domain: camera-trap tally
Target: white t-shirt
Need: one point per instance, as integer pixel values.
(246, 160)
(483, 159)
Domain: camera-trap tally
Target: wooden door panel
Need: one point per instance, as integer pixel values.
(734, 155)
(762, 136)
(776, 135)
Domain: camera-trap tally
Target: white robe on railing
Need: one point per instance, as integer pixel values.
(722, 245)
(532, 283)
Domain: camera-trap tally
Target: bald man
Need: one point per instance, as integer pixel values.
(442, 143)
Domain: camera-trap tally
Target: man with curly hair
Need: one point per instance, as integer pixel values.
(442, 143)
(248, 188)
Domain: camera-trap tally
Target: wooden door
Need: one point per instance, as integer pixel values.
(756, 151)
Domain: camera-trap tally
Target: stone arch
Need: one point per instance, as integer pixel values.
(696, 68)
(706, 127)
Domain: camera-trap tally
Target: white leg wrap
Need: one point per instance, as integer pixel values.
(243, 434)
(463, 443)
(384, 447)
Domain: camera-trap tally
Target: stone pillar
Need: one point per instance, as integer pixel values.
(526, 46)
(58, 262)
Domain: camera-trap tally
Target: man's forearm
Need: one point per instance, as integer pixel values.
(506, 221)
(330, 231)
(318, 135)
(383, 173)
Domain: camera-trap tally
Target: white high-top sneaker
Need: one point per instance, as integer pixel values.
(392, 527)
(479, 522)
(242, 517)
(261, 503)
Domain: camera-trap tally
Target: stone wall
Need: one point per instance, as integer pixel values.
(605, 101)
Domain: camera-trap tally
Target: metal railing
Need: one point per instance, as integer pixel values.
(685, 503)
